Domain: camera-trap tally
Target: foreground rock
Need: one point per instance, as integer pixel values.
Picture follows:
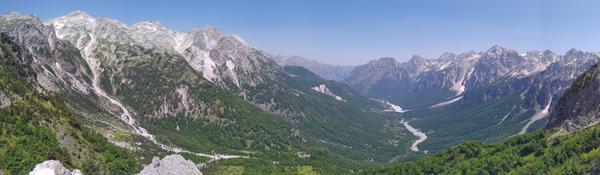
(52, 167)
(171, 165)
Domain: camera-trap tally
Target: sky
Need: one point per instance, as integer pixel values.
(352, 32)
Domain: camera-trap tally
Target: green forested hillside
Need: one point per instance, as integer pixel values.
(37, 127)
(87, 95)
(535, 153)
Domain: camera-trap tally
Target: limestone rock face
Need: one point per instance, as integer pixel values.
(52, 167)
(579, 107)
(540, 75)
(171, 165)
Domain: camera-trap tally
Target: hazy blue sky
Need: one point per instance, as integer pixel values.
(350, 32)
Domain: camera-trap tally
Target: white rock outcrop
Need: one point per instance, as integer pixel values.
(52, 167)
(171, 165)
(322, 88)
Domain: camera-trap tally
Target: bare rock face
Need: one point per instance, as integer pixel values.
(322, 88)
(579, 107)
(4, 100)
(52, 167)
(471, 70)
(171, 165)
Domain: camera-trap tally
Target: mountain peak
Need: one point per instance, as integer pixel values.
(236, 38)
(148, 22)
(149, 25)
(17, 15)
(417, 58)
(386, 60)
(78, 18)
(209, 29)
(573, 52)
(447, 55)
(548, 52)
(496, 49)
(79, 13)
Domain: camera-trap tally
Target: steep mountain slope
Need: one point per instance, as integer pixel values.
(77, 81)
(365, 132)
(180, 107)
(485, 96)
(130, 64)
(541, 152)
(451, 74)
(325, 71)
(36, 127)
(105, 82)
(205, 95)
(579, 107)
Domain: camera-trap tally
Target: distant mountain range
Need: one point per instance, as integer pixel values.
(485, 96)
(103, 97)
(569, 143)
(203, 94)
(325, 71)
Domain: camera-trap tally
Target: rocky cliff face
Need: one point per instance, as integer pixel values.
(147, 88)
(113, 50)
(420, 83)
(223, 59)
(57, 63)
(485, 96)
(53, 167)
(100, 69)
(579, 107)
(171, 165)
(456, 74)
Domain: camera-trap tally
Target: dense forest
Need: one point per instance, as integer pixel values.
(36, 127)
(535, 153)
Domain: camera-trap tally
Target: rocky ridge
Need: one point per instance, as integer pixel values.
(579, 107)
(171, 165)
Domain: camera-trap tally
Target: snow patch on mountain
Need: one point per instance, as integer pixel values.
(322, 88)
(446, 102)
